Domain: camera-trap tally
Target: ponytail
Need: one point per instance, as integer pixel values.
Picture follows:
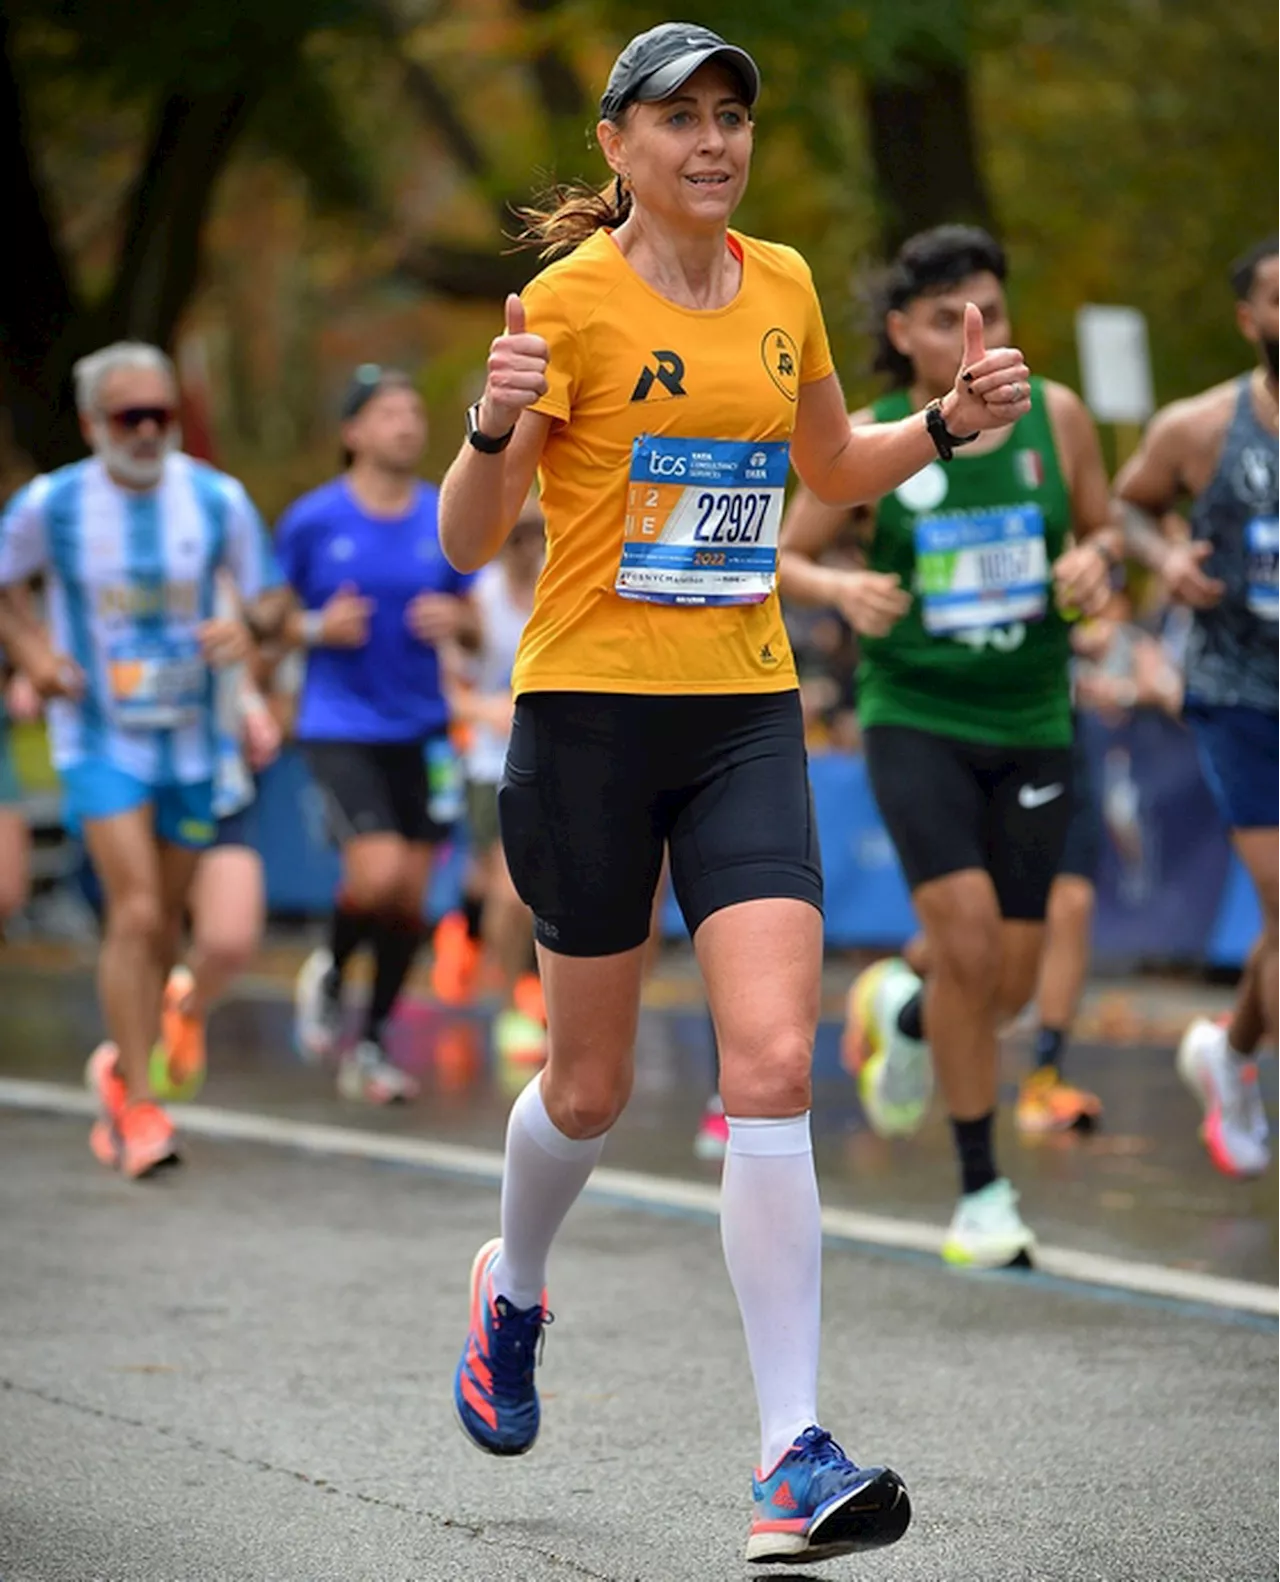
(567, 215)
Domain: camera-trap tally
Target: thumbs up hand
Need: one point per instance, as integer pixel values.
(991, 388)
(517, 372)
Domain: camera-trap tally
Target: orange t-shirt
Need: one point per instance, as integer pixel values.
(690, 412)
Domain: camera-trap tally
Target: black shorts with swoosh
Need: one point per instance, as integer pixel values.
(951, 805)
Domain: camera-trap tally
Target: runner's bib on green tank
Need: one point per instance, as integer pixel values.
(982, 654)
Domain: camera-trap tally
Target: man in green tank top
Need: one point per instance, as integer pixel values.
(975, 566)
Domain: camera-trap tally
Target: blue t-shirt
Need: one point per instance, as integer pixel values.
(388, 690)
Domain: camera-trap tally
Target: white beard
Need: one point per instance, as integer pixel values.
(118, 461)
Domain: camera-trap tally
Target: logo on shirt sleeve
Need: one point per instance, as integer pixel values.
(666, 370)
(781, 358)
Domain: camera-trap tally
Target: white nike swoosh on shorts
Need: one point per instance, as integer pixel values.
(1037, 796)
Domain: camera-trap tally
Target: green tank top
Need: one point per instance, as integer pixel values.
(982, 654)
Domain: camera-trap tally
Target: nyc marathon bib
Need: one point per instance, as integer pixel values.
(981, 568)
(702, 520)
(157, 682)
(1262, 537)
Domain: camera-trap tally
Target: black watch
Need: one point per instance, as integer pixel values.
(944, 441)
(482, 441)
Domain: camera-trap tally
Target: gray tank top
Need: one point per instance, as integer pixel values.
(1231, 651)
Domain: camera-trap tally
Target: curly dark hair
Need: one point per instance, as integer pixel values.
(927, 263)
(1244, 272)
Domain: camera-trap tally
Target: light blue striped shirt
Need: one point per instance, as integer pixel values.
(129, 578)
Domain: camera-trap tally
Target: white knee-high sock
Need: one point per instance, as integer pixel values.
(544, 1172)
(771, 1227)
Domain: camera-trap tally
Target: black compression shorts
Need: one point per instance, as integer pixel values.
(374, 788)
(597, 784)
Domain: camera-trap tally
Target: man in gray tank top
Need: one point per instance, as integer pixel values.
(1219, 448)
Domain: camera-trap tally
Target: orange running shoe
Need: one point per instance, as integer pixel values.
(147, 1140)
(1048, 1104)
(177, 1067)
(528, 997)
(457, 960)
(104, 1081)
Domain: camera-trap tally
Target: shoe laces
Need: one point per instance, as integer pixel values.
(820, 1448)
(520, 1337)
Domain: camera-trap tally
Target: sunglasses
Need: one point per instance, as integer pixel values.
(133, 417)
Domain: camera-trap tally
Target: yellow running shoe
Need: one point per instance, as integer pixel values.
(1048, 1104)
(894, 1073)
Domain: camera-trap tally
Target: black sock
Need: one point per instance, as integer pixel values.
(911, 1016)
(977, 1156)
(473, 911)
(1050, 1046)
(347, 932)
(395, 944)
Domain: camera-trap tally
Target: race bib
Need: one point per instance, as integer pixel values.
(981, 568)
(157, 683)
(1263, 540)
(702, 520)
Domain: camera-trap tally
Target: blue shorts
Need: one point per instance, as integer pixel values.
(239, 829)
(1239, 760)
(95, 789)
(10, 789)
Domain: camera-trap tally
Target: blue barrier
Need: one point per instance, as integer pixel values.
(1169, 886)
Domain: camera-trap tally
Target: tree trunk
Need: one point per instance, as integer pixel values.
(38, 308)
(923, 148)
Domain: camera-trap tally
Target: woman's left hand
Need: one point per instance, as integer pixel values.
(1082, 580)
(992, 389)
(435, 617)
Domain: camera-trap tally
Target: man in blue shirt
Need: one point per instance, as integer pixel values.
(376, 598)
(130, 542)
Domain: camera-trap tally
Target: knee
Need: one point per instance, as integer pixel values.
(1071, 905)
(137, 915)
(229, 950)
(374, 887)
(772, 1079)
(587, 1103)
(968, 952)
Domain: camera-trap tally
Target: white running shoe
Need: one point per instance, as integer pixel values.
(986, 1230)
(317, 1010)
(894, 1073)
(1234, 1129)
(368, 1077)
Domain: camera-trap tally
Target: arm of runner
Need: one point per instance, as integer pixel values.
(844, 465)
(445, 617)
(1146, 489)
(24, 553)
(1082, 574)
(871, 601)
(482, 494)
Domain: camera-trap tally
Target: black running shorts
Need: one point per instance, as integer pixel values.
(597, 784)
(1082, 850)
(951, 805)
(374, 788)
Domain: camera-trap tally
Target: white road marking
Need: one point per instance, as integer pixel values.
(635, 1188)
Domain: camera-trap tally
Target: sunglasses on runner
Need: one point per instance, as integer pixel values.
(133, 417)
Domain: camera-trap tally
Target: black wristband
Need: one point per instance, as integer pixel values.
(944, 441)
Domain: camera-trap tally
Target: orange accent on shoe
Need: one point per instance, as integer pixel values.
(529, 998)
(102, 1078)
(479, 1366)
(457, 960)
(1047, 1104)
(104, 1144)
(478, 1404)
(783, 1498)
(781, 1524)
(147, 1139)
(181, 1034)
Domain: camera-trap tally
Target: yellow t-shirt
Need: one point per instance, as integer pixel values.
(628, 365)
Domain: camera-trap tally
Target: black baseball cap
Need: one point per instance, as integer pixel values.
(367, 381)
(656, 63)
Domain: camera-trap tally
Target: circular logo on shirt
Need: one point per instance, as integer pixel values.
(925, 489)
(1256, 475)
(781, 358)
(342, 549)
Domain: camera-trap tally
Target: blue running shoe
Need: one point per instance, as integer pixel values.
(816, 1504)
(493, 1389)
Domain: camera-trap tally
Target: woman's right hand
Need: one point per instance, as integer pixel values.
(872, 602)
(517, 373)
(345, 619)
